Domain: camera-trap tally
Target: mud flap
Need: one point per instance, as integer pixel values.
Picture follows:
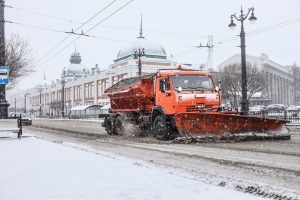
(219, 125)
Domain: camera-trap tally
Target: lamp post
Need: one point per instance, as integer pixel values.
(15, 107)
(25, 101)
(3, 102)
(40, 88)
(140, 54)
(241, 18)
(63, 97)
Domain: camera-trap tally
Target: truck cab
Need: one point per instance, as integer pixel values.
(186, 91)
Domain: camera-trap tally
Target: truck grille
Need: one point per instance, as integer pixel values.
(195, 108)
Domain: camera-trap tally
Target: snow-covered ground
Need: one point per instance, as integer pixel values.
(32, 168)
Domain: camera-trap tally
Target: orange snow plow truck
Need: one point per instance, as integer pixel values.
(184, 103)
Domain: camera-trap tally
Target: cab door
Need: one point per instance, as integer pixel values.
(164, 97)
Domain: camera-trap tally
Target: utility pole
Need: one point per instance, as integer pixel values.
(25, 96)
(209, 62)
(3, 102)
(209, 46)
(25, 103)
(15, 107)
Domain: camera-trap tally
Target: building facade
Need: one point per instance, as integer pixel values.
(279, 88)
(84, 86)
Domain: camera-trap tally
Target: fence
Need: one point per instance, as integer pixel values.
(83, 116)
(292, 116)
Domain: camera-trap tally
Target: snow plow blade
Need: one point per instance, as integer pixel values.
(229, 126)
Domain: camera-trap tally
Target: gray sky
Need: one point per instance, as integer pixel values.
(175, 24)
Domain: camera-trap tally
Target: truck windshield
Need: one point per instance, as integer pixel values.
(193, 82)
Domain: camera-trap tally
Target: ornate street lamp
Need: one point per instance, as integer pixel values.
(232, 25)
(140, 54)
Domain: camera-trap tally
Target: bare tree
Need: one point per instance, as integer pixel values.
(56, 106)
(295, 81)
(231, 81)
(19, 58)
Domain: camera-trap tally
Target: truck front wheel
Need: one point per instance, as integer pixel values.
(160, 128)
(109, 126)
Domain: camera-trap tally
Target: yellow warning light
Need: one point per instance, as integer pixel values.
(179, 66)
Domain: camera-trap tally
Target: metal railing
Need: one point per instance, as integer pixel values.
(83, 116)
(292, 116)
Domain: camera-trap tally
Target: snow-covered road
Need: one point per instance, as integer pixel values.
(32, 168)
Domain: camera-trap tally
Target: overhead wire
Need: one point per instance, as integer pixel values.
(76, 30)
(87, 31)
(145, 30)
(177, 54)
(47, 29)
(248, 34)
(92, 36)
(261, 30)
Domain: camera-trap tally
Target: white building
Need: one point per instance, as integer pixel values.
(279, 89)
(84, 86)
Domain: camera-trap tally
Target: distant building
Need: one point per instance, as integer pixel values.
(279, 90)
(84, 86)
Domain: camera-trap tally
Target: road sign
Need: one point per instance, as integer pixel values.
(4, 72)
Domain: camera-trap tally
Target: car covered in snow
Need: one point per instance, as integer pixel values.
(257, 109)
(292, 108)
(276, 108)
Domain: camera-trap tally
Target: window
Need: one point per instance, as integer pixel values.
(193, 82)
(165, 81)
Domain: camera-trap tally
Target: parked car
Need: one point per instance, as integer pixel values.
(293, 111)
(292, 108)
(257, 109)
(26, 119)
(276, 107)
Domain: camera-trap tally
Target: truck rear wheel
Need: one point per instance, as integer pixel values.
(160, 128)
(119, 125)
(109, 126)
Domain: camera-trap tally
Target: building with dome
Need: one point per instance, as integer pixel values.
(75, 69)
(152, 50)
(86, 86)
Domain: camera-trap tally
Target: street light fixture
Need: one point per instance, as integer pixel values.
(140, 54)
(232, 25)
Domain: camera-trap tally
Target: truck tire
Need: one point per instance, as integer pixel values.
(119, 125)
(109, 126)
(160, 128)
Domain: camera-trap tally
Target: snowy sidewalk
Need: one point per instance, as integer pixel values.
(32, 168)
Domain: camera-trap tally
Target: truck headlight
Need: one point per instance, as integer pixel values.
(179, 89)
